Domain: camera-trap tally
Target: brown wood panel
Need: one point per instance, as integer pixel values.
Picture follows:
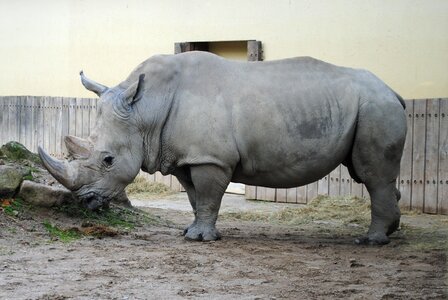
(40, 121)
(85, 106)
(301, 194)
(406, 159)
(334, 185)
(291, 195)
(79, 120)
(281, 195)
(59, 125)
(251, 192)
(3, 131)
(311, 191)
(65, 119)
(356, 189)
(72, 117)
(175, 184)
(431, 155)
(13, 119)
(266, 194)
(345, 182)
(418, 155)
(442, 205)
(322, 186)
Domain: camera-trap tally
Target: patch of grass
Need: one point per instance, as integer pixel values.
(116, 216)
(14, 207)
(342, 210)
(143, 188)
(425, 239)
(64, 235)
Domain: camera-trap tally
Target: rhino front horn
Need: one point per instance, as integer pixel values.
(61, 170)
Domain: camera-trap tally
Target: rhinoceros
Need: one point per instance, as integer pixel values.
(210, 121)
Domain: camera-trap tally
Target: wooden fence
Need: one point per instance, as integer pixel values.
(423, 180)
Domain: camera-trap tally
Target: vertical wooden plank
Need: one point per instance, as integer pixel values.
(175, 184)
(431, 155)
(79, 119)
(46, 123)
(281, 195)
(270, 194)
(30, 129)
(406, 159)
(251, 192)
(322, 186)
(311, 191)
(65, 119)
(265, 194)
(356, 189)
(92, 113)
(53, 125)
(72, 117)
(2, 112)
(301, 194)
(345, 181)
(291, 195)
(334, 186)
(39, 117)
(18, 117)
(418, 155)
(59, 126)
(24, 122)
(85, 107)
(442, 205)
(13, 119)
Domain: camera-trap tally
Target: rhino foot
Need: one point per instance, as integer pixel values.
(375, 239)
(197, 232)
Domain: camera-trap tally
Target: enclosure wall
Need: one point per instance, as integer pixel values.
(46, 43)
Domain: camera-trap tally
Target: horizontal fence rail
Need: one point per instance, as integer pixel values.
(423, 180)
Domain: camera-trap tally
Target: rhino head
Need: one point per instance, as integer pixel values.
(104, 164)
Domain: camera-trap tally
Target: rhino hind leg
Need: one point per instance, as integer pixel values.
(375, 159)
(208, 184)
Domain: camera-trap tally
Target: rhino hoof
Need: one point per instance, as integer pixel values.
(201, 233)
(373, 240)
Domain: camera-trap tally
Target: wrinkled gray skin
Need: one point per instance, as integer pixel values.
(209, 121)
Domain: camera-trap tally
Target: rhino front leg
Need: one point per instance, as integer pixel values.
(210, 183)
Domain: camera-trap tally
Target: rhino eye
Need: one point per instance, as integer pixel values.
(108, 160)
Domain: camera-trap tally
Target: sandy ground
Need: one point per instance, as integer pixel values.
(254, 260)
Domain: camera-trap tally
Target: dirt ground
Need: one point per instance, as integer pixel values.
(258, 258)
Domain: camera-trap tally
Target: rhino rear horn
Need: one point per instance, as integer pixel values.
(61, 170)
(78, 148)
(92, 86)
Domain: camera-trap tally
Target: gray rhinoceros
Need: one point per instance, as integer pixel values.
(209, 121)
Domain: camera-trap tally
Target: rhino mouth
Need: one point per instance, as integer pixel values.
(94, 201)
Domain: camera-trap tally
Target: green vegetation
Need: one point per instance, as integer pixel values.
(116, 216)
(63, 235)
(144, 189)
(16, 151)
(14, 207)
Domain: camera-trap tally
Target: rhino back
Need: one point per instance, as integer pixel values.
(288, 121)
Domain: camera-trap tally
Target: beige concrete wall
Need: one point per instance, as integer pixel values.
(44, 44)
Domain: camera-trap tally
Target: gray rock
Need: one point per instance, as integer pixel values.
(10, 179)
(44, 195)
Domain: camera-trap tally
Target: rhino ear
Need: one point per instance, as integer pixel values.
(134, 92)
(91, 85)
(78, 148)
